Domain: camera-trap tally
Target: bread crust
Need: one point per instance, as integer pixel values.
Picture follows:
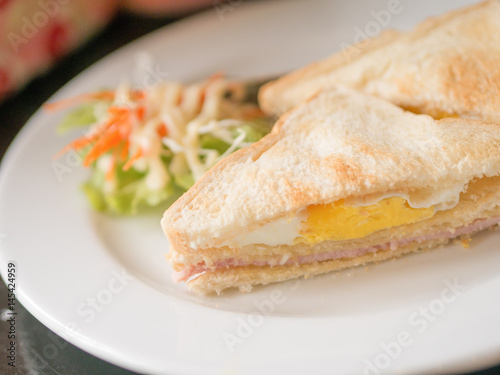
(480, 200)
(244, 278)
(447, 66)
(338, 144)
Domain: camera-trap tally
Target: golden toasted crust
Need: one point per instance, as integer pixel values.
(278, 105)
(337, 145)
(447, 66)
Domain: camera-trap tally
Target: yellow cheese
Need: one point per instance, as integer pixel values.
(336, 221)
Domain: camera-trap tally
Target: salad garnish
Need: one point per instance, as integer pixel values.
(146, 147)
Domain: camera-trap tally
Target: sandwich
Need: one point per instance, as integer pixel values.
(342, 180)
(448, 66)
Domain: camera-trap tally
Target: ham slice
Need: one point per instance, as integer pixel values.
(197, 270)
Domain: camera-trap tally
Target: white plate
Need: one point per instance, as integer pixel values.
(346, 322)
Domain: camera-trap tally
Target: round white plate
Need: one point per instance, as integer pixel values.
(103, 284)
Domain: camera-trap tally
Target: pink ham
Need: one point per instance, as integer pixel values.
(200, 268)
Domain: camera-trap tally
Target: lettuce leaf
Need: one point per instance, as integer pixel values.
(130, 196)
(80, 117)
(130, 193)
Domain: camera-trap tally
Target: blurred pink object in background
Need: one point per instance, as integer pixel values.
(34, 34)
(162, 7)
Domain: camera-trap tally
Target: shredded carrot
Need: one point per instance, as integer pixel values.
(112, 134)
(65, 103)
(104, 144)
(77, 144)
(107, 136)
(118, 113)
(139, 153)
(120, 117)
(162, 130)
(140, 112)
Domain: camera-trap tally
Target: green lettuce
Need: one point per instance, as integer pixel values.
(130, 193)
(80, 117)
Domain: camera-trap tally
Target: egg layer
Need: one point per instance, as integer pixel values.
(337, 221)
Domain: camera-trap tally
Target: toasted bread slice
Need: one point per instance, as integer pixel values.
(245, 221)
(447, 66)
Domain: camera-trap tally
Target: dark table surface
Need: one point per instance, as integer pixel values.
(35, 339)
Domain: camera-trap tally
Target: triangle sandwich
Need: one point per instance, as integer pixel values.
(448, 66)
(342, 180)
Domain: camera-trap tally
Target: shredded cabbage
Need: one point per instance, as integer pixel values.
(148, 147)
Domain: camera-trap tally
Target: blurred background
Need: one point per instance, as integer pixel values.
(44, 44)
